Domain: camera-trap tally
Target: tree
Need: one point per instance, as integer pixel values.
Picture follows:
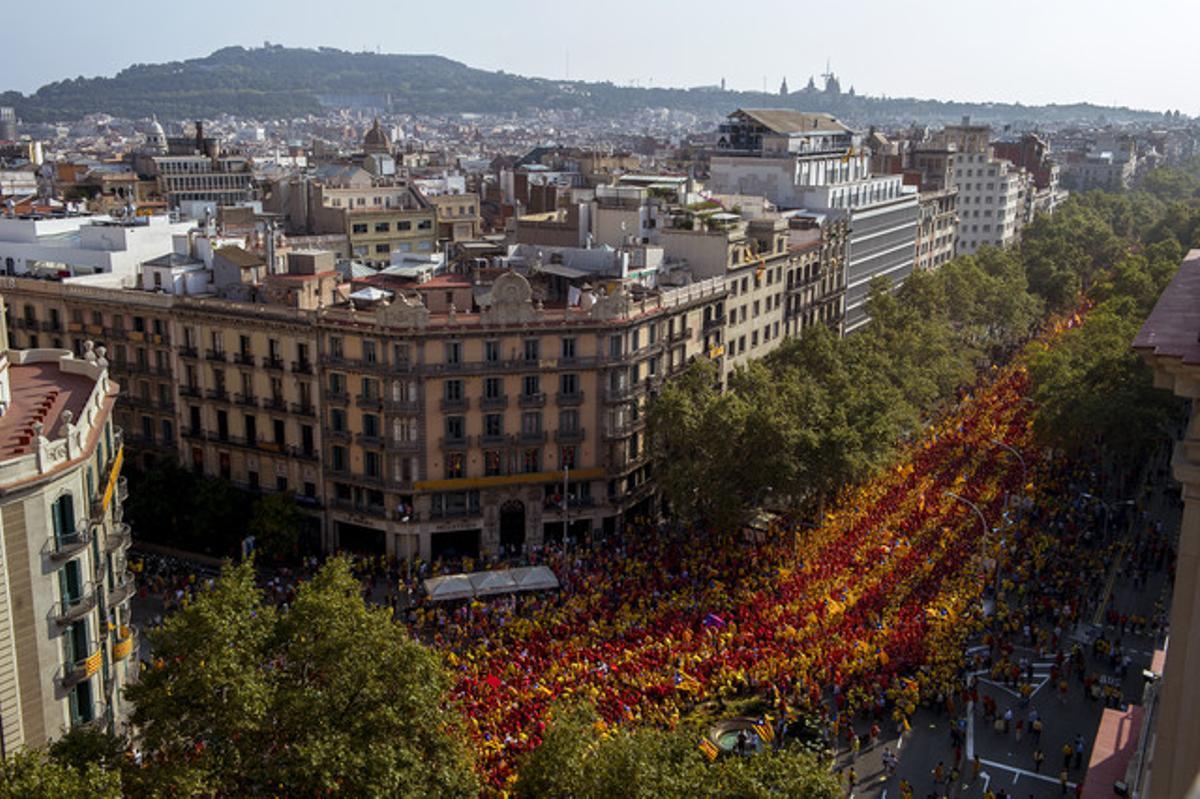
(275, 524)
(82, 747)
(581, 758)
(33, 775)
(328, 696)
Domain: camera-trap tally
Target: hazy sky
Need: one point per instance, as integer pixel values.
(1140, 54)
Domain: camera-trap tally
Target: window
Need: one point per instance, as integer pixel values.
(456, 427)
(280, 430)
(531, 385)
(614, 346)
(493, 387)
(370, 425)
(568, 420)
(368, 350)
(371, 464)
(455, 465)
(568, 383)
(491, 351)
(452, 390)
(359, 227)
(531, 349)
(493, 425)
(370, 388)
(63, 514)
(568, 349)
(635, 340)
(403, 225)
(424, 224)
(382, 227)
(335, 347)
(337, 420)
(491, 463)
(251, 426)
(532, 461)
(339, 458)
(531, 422)
(382, 249)
(453, 352)
(566, 457)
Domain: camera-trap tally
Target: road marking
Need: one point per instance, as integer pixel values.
(1023, 773)
(986, 779)
(970, 730)
(1040, 682)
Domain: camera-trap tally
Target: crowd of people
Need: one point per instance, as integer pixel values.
(856, 622)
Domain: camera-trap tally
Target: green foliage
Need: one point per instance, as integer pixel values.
(330, 696)
(82, 747)
(32, 775)
(170, 505)
(275, 524)
(576, 761)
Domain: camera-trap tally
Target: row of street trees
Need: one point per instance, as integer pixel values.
(821, 413)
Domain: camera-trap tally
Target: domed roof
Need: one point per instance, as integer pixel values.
(375, 140)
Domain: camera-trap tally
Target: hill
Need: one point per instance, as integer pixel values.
(281, 82)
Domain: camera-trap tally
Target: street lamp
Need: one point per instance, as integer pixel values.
(1024, 467)
(983, 540)
(1107, 509)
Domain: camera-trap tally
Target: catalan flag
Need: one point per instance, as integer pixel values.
(763, 730)
(709, 749)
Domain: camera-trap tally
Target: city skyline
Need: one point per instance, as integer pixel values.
(1074, 67)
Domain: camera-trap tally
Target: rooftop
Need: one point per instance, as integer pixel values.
(40, 393)
(1173, 328)
(783, 120)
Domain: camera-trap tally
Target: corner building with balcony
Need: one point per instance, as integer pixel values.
(457, 432)
(67, 646)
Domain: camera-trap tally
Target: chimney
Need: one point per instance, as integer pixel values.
(199, 136)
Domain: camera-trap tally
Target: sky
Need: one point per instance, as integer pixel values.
(1141, 55)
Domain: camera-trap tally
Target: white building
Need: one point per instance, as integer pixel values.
(991, 191)
(78, 245)
(814, 162)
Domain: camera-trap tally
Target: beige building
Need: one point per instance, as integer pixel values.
(66, 640)
(1170, 756)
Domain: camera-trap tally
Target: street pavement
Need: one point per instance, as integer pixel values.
(1007, 764)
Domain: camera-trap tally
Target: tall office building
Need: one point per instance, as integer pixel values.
(814, 162)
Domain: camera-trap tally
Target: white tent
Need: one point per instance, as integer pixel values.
(534, 578)
(494, 582)
(452, 586)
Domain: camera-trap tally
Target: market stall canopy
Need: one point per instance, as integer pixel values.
(453, 586)
(534, 578)
(497, 582)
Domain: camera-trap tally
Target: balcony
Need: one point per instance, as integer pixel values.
(215, 355)
(394, 445)
(402, 406)
(217, 394)
(119, 537)
(343, 436)
(243, 358)
(274, 404)
(494, 403)
(51, 326)
(369, 402)
(187, 351)
(301, 367)
(454, 443)
(64, 546)
(575, 436)
(74, 673)
(189, 391)
(122, 488)
(620, 393)
(457, 404)
(125, 587)
(532, 438)
(248, 400)
(493, 441)
(713, 323)
(304, 409)
(682, 334)
(532, 400)
(569, 399)
(364, 440)
(123, 646)
(273, 362)
(74, 608)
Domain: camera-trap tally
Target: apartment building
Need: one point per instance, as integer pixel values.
(67, 644)
(991, 190)
(457, 217)
(463, 431)
(814, 162)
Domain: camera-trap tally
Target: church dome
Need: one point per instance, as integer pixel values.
(375, 140)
